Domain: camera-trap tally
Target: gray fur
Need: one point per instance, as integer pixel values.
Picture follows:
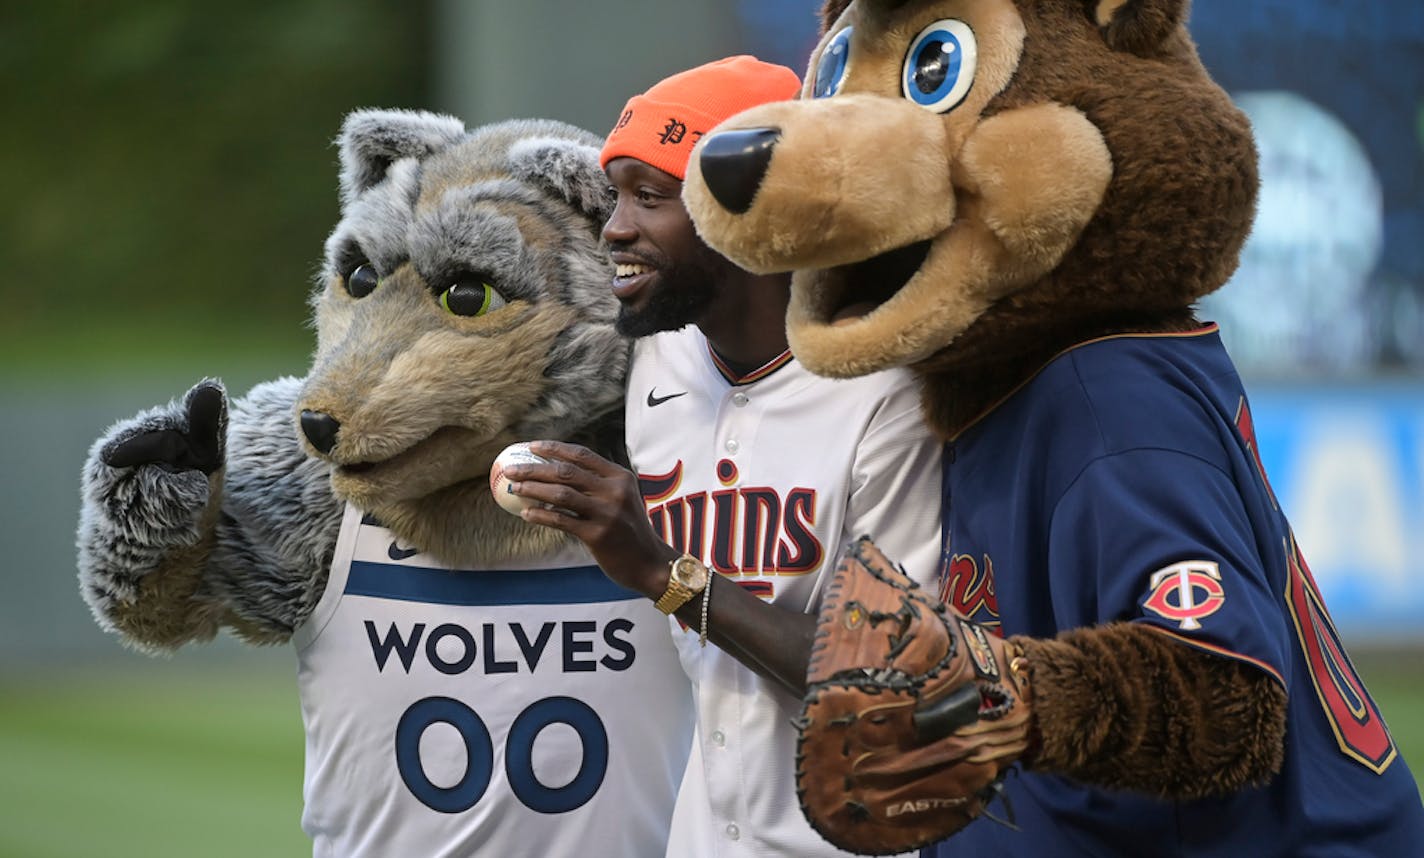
(372, 140)
(280, 519)
(272, 540)
(568, 168)
(169, 555)
(374, 225)
(462, 233)
(131, 517)
(465, 231)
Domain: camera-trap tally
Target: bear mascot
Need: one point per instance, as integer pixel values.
(468, 681)
(1022, 200)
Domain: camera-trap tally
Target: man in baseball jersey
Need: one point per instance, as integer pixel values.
(751, 472)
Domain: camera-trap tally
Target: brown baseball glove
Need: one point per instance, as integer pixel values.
(912, 713)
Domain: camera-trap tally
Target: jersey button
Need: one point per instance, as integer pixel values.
(733, 446)
(740, 400)
(719, 738)
(733, 832)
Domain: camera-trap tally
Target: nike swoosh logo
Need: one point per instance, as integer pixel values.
(654, 400)
(395, 552)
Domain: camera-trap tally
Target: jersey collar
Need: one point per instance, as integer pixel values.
(1205, 330)
(757, 374)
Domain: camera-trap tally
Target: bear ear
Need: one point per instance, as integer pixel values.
(1139, 27)
(830, 11)
(372, 140)
(566, 168)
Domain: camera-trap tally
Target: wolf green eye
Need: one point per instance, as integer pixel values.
(363, 281)
(470, 298)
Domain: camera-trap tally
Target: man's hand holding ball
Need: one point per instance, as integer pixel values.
(499, 484)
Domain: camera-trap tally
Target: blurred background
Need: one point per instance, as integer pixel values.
(170, 179)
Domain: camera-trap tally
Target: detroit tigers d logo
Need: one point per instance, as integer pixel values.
(1186, 592)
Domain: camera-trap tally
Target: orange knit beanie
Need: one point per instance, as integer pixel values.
(661, 126)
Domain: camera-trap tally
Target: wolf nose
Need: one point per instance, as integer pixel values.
(734, 163)
(320, 430)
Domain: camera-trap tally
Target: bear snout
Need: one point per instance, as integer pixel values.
(735, 162)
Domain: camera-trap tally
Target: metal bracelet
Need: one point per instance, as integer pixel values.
(706, 598)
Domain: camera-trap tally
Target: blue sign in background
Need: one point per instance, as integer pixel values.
(1363, 62)
(1347, 465)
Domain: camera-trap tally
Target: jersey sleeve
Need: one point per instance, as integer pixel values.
(895, 484)
(1164, 538)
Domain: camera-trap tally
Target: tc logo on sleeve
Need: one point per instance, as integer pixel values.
(1186, 592)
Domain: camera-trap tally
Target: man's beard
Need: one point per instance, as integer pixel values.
(679, 298)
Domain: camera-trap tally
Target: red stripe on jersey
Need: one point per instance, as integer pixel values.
(1219, 650)
(755, 375)
(656, 488)
(760, 589)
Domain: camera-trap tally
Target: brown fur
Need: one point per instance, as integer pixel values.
(1100, 183)
(1105, 11)
(1126, 707)
(1141, 27)
(1168, 232)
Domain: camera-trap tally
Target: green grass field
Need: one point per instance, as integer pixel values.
(161, 766)
(151, 767)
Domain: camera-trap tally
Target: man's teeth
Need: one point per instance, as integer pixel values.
(631, 270)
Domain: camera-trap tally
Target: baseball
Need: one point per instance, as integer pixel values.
(499, 484)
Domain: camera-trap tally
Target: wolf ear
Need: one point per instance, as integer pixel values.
(372, 140)
(567, 168)
(1139, 27)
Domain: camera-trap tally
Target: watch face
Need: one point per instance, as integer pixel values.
(690, 572)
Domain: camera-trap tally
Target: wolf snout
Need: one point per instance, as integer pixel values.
(735, 162)
(320, 430)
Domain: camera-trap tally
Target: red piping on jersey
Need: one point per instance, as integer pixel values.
(1219, 650)
(672, 479)
(1199, 332)
(755, 375)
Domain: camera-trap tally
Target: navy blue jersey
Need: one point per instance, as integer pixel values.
(1122, 483)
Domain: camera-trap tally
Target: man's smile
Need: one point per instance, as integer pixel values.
(630, 275)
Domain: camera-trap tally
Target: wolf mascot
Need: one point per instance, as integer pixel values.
(469, 683)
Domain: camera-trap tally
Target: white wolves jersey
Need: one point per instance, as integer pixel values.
(530, 710)
(766, 477)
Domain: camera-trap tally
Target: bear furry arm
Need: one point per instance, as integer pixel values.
(170, 555)
(1125, 707)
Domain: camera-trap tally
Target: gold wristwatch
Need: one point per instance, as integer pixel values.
(688, 578)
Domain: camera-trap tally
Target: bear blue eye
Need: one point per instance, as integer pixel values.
(471, 298)
(940, 65)
(831, 68)
(363, 281)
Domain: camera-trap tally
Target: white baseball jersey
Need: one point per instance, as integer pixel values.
(766, 478)
(525, 710)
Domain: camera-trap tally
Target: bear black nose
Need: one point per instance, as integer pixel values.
(320, 430)
(734, 163)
